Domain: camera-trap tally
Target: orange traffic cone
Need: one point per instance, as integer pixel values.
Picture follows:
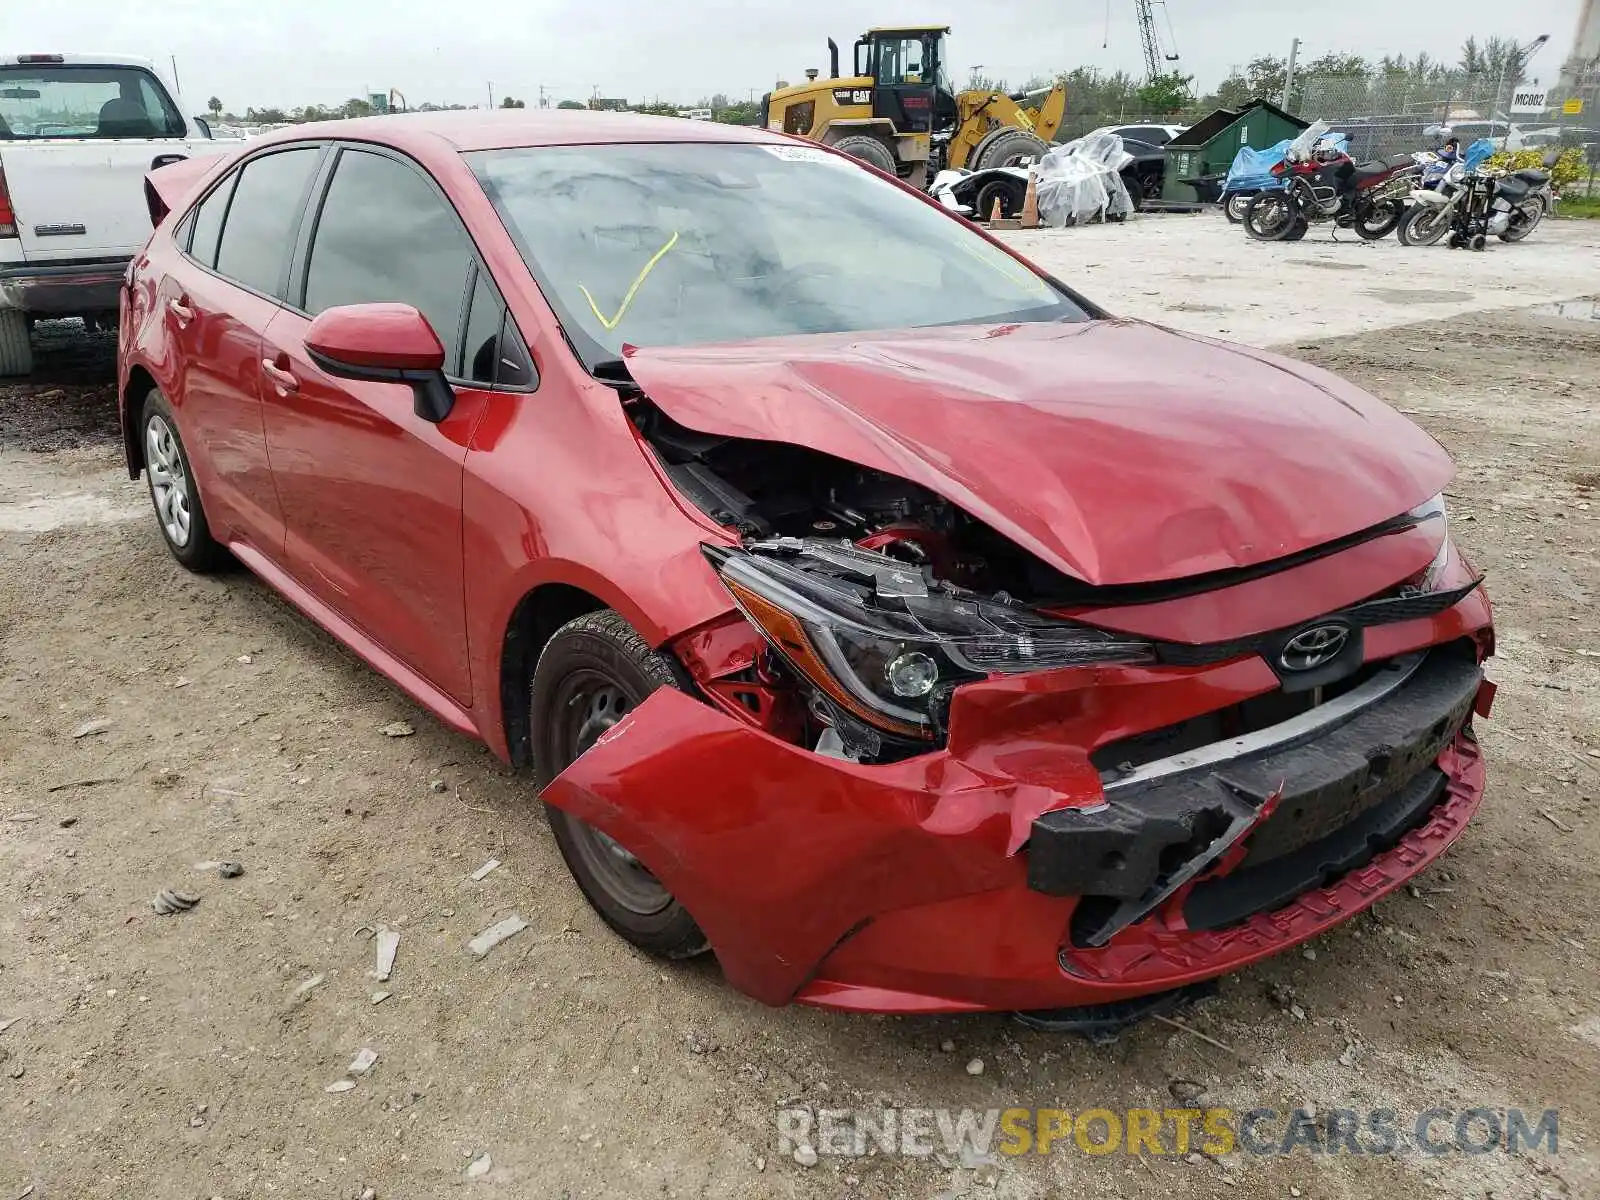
(994, 212)
(1030, 204)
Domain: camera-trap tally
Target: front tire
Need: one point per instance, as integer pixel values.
(1271, 217)
(1422, 225)
(1011, 193)
(594, 671)
(16, 352)
(1007, 148)
(1234, 207)
(180, 515)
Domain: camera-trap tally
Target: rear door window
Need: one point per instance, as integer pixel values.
(386, 234)
(259, 232)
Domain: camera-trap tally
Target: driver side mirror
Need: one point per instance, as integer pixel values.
(384, 343)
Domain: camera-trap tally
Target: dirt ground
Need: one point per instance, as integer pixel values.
(190, 1055)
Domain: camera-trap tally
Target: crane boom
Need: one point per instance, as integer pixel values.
(1147, 35)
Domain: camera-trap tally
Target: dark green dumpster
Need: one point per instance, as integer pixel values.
(1208, 146)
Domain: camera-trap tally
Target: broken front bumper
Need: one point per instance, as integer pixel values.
(1003, 873)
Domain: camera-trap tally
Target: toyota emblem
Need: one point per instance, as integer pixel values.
(1314, 647)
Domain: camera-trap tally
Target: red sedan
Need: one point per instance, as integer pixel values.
(870, 608)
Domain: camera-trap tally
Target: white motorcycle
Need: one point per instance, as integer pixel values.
(1476, 205)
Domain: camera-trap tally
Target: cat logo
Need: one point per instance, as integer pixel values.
(852, 95)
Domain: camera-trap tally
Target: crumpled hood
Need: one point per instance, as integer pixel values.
(1117, 452)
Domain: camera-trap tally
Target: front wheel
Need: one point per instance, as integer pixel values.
(1531, 214)
(593, 672)
(1271, 217)
(1378, 221)
(1008, 148)
(1423, 225)
(1011, 194)
(1234, 208)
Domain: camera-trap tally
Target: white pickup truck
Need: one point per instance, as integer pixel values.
(77, 135)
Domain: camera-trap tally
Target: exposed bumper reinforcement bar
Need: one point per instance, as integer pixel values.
(1289, 789)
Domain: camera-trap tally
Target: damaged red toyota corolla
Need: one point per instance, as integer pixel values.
(872, 609)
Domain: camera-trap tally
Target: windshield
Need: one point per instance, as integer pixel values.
(66, 101)
(673, 245)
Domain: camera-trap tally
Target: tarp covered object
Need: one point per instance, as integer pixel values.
(1082, 180)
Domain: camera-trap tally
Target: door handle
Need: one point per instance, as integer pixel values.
(181, 313)
(283, 380)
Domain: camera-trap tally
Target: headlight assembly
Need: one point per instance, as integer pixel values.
(1430, 514)
(881, 642)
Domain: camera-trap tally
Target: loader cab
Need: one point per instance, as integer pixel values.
(910, 74)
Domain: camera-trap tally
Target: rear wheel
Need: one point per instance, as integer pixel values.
(1531, 213)
(1422, 225)
(1007, 148)
(16, 354)
(869, 150)
(179, 513)
(594, 671)
(1271, 217)
(1378, 221)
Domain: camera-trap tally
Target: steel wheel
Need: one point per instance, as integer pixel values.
(169, 482)
(589, 703)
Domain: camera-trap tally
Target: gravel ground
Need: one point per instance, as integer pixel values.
(191, 1055)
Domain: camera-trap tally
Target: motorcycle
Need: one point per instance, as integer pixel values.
(1473, 204)
(1323, 183)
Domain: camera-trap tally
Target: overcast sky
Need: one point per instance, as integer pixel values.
(290, 52)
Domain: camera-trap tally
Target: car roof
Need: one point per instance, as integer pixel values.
(504, 129)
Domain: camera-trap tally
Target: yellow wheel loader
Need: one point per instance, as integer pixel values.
(899, 112)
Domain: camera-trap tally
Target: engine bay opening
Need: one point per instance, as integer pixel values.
(776, 489)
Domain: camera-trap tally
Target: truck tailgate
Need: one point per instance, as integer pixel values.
(84, 199)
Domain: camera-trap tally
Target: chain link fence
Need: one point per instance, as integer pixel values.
(1393, 113)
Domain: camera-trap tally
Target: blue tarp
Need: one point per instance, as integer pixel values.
(1252, 169)
(1478, 153)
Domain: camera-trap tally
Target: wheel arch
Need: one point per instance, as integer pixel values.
(139, 385)
(534, 620)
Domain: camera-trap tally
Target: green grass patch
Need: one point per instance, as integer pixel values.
(1579, 206)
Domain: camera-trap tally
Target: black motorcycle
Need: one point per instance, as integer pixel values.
(1509, 207)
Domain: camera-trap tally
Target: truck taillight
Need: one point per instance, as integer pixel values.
(8, 216)
(32, 59)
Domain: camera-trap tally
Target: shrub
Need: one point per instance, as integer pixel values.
(1569, 168)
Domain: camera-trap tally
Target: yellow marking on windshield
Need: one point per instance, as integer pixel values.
(1002, 263)
(632, 290)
